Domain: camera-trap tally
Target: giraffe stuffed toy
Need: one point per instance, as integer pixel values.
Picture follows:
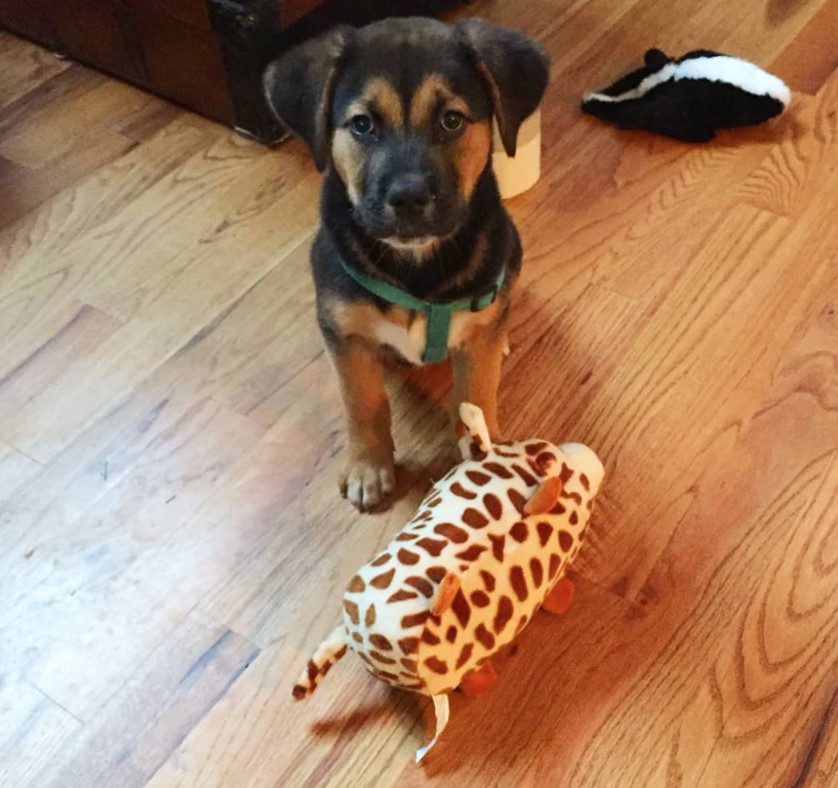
(488, 546)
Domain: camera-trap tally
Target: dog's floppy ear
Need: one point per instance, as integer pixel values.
(515, 68)
(299, 86)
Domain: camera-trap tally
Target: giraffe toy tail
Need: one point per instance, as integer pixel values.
(328, 653)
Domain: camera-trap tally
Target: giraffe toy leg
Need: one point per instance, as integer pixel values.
(560, 597)
(445, 594)
(545, 497)
(478, 681)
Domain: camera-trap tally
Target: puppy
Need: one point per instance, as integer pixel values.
(415, 256)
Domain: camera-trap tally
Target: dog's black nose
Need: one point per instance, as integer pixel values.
(409, 195)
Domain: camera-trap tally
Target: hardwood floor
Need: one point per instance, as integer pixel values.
(172, 545)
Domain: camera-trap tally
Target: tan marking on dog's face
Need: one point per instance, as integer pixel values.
(473, 150)
(380, 98)
(348, 159)
(456, 160)
(433, 96)
(381, 102)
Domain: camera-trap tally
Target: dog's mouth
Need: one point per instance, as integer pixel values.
(416, 235)
(411, 243)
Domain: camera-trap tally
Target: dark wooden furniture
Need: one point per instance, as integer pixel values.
(207, 55)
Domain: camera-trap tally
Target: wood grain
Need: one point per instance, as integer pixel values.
(132, 736)
(23, 67)
(170, 436)
(64, 128)
(34, 729)
(15, 469)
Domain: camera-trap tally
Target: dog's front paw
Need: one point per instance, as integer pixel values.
(367, 481)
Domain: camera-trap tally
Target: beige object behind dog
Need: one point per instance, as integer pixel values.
(517, 175)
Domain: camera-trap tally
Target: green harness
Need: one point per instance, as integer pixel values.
(438, 312)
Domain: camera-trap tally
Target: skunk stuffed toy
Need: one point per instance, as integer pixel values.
(691, 98)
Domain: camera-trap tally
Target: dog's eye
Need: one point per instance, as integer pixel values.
(451, 120)
(362, 125)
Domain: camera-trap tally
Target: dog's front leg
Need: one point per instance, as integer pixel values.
(476, 367)
(369, 474)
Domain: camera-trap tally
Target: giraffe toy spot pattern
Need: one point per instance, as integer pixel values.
(488, 545)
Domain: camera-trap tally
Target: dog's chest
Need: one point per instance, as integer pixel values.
(407, 340)
(406, 332)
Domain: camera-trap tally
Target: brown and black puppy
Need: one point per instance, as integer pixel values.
(399, 115)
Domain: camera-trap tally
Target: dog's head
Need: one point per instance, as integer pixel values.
(402, 110)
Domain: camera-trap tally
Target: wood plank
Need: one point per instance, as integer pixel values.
(34, 729)
(789, 627)
(152, 712)
(61, 127)
(108, 451)
(821, 763)
(66, 141)
(211, 365)
(792, 175)
(147, 120)
(238, 223)
(199, 260)
(207, 287)
(59, 90)
(23, 67)
(31, 188)
(811, 56)
(15, 469)
(81, 207)
(49, 364)
(740, 253)
(186, 197)
(694, 700)
(103, 602)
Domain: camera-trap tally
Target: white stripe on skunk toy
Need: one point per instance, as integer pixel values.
(488, 547)
(691, 98)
